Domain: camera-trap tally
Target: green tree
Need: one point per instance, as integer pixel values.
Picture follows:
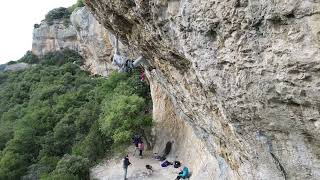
(79, 3)
(124, 110)
(94, 145)
(57, 14)
(73, 165)
(29, 58)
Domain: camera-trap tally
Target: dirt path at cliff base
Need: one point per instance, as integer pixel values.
(112, 170)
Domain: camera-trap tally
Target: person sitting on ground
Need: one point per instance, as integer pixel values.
(183, 174)
(126, 163)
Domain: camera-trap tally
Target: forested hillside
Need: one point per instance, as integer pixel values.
(57, 120)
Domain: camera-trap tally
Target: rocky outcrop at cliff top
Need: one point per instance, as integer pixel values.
(14, 67)
(84, 34)
(243, 74)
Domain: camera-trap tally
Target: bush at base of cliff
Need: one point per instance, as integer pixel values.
(62, 57)
(60, 177)
(72, 166)
(124, 110)
(29, 58)
(12, 62)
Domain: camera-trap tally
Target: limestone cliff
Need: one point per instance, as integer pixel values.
(84, 34)
(14, 67)
(236, 82)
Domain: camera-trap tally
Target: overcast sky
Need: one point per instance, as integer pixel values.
(17, 18)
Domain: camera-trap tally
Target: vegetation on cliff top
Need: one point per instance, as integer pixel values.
(61, 13)
(57, 120)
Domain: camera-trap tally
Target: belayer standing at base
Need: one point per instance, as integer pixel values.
(126, 163)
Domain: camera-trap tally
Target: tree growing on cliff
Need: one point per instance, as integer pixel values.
(57, 14)
(80, 3)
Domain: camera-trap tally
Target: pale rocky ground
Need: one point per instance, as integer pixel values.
(112, 169)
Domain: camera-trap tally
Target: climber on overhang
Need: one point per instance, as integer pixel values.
(139, 61)
(125, 64)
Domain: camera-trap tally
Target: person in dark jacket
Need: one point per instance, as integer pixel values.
(126, 163)
(136, 140)
(167, 149)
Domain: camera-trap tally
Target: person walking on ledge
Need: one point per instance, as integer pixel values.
(126, 163)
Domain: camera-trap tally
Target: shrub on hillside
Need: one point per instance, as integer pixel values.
(62, 57)
(60, 177)
(79, 3)
(61, 14)
(124, 109)
(29, 58)
(12, 62)
(36, 26)
(55, 118)
(38, 110)
(73, 165)
(57, 14)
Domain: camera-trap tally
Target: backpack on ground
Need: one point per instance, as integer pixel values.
(177, 164)
(166, 164)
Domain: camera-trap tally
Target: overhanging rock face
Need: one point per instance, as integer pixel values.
(243, 74)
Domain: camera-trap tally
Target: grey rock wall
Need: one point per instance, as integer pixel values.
(15, 67)
(84, 34)
(49, 38)
(2, 67)
(244, 74)
(187, 147)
